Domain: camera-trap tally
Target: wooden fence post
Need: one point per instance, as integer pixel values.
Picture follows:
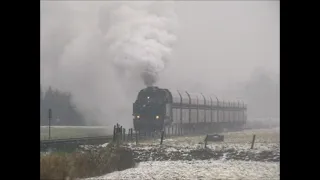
(137, 138)
(162, 134)
(124, 134)
(253, 139)
(120, 133)
(172, 131)
(205, 141)
(114, 133)
(176, 129)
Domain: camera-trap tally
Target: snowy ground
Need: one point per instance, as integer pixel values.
(186, 158)
(262, 136)
(206, 169)
(237, 145)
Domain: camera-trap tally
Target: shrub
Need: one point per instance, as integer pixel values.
(95, 162)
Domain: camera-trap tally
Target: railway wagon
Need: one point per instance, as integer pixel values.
(156, 109)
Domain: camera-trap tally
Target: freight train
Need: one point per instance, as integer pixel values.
(156, 108)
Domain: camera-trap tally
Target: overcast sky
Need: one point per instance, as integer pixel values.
(219, 44)
(223, 42)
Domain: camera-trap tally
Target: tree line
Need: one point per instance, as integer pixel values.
(64, 113)
(262, 92)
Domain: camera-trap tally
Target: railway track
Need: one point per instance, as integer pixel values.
(89, 140)
(72, 140)
(72, 143)
(75, 142)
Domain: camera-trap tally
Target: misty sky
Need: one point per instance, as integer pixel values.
(219, 44)
(223, 42)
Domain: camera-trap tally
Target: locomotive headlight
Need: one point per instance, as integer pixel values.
(138, 116)
(157, 117)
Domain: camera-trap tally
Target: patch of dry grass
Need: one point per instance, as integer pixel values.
(74, 132)
(86, 164)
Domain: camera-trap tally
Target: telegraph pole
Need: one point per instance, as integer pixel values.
(50, 116)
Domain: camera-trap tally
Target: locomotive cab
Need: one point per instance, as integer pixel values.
(151, 110)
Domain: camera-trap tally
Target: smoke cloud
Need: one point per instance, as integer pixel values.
(141, 37)
(93, 49)
(99, 51)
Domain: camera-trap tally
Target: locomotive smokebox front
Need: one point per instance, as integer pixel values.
(149, 109)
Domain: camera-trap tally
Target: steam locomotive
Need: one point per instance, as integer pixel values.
(156, 109)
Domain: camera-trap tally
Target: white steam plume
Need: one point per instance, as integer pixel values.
(140, 37)
(82, 45)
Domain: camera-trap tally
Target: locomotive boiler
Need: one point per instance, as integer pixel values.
(156, 108)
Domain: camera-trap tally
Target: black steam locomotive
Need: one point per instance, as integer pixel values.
(156, 108)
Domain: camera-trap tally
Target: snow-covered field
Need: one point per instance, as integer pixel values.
(186, 158)
(265, 139)
(205, 169)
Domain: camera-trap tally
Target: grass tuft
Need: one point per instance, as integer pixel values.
(86, 163)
